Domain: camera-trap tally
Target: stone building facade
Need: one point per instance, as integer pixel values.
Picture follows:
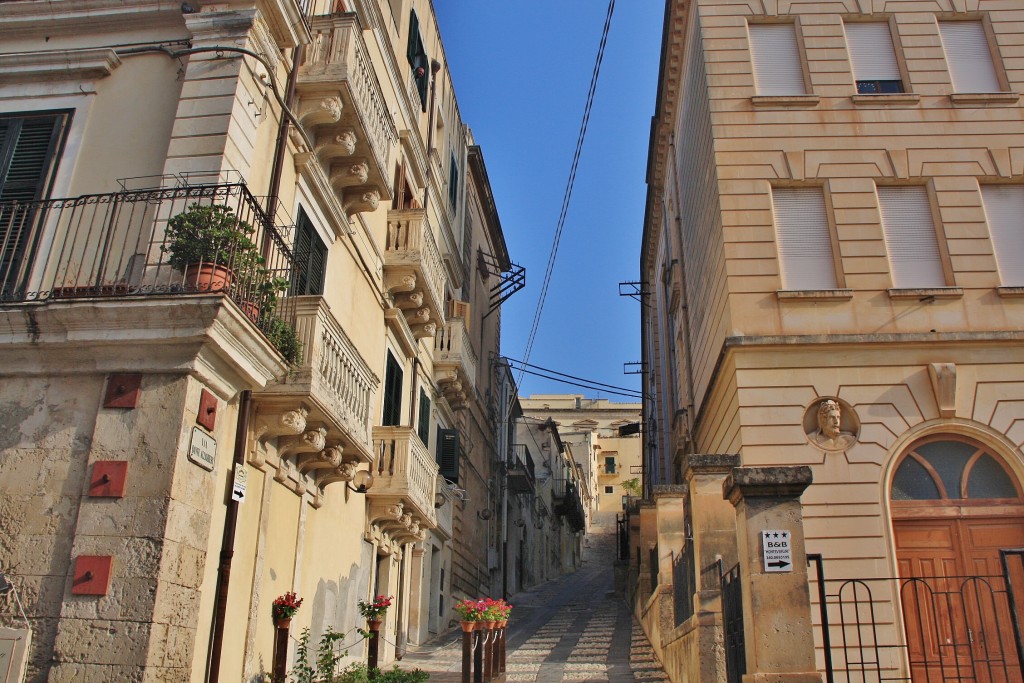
(176, 452)
(832, 315)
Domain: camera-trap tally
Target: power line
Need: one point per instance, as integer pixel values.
(569, 186)
(592, 384)
(576, 384)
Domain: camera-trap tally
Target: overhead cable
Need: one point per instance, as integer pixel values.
(591, 383)
(568, 188)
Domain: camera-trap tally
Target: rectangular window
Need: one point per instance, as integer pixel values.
(806, 259)
(609, 489)
(424, 423)
(609, 464)
(1004, 208)
(392, 416)
(910, 238)
(968, 56)
(310, 258)
(873, 58)
(453, 182)
(417, 57)
(29, 145)
(775, 58)
(448, 454)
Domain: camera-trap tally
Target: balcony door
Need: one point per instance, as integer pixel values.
(955, 505)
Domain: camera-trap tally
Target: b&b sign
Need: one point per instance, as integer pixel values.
(777, 551)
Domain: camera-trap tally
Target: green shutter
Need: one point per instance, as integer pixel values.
(448, 454)
(392, 394)
(28, 146)
(424, 425)
(310, 254)
(417, 56)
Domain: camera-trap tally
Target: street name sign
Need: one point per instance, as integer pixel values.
(777, 550)
(203, 449)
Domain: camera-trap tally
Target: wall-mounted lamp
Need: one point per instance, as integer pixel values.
(439, 499)
(363, 481)
(484, 514)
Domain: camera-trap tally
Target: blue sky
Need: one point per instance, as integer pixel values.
(521, 72)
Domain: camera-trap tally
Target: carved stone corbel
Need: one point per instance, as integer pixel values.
(346, 471)
(311, 441)
(421, 331)
(335, 145)
(359, 200)
(410, 300)
(319, 111)
(328, 458)
(418, 316)
(400, 281)
(291, 422)
(348, 174)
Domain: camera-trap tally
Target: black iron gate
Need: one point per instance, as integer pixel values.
(732, 617)
(954, 628)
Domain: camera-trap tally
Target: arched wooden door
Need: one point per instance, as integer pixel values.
(955, 505)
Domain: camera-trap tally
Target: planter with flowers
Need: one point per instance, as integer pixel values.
(284, 609)
(375, 610)
(211, 246)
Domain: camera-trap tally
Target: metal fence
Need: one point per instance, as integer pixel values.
(683, 582)
(732, 623)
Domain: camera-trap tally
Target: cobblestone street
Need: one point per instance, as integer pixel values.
(572, 629)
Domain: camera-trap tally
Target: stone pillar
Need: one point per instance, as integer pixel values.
(669, 504)
(417, 615)
(778, 633)
(713, 525)
(641, 552)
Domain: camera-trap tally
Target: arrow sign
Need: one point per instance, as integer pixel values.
(777, 550)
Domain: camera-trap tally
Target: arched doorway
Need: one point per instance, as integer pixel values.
(955, 506)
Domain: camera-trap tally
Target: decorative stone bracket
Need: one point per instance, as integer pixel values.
(392, 521)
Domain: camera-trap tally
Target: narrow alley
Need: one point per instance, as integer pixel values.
(574, 628)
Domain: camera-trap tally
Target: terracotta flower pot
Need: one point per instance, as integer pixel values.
(503, 623)
(207, 277)
(468, 626)
(374, 624)
(490, 624)
(283, 623)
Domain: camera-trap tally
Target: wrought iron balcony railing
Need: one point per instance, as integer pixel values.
(194, 239)
(521, 475)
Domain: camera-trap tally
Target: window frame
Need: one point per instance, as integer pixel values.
(936, 232)
(902, 81)
(799, 54)
(829, 227)
(992, 50)
(391, 399)
(1000, 237)
(305, 272)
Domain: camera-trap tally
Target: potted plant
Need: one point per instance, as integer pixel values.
(284, 608)
(210, 245)
(284, 338)
(375, 610)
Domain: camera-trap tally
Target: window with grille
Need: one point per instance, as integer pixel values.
(1004, 209)
(873, 58)
(310, 254)
(910, 239)
(392, 416)
(775, 57)
(806, 260)
(968, 56)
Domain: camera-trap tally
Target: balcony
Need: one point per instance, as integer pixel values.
(520, 470)
(331, 380)
(115, 245)
(413, 271)
(455, 362)
(405, 484)
(571, 506)
(344, 115)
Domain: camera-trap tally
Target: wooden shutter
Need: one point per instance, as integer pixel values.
(910, 237)
(775, 58)
(448, 454)
(804, 240)
(392, 416)
(968, 57)
(417, 56)
(424, 423)
(871, 53)
(28, 149)
(310, 254)
(1004, 208)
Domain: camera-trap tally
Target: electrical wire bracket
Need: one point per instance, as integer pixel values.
(510, 281)
(634, 290)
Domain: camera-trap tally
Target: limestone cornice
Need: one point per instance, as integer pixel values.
(61, 17)
(51, 65)
(202, 336)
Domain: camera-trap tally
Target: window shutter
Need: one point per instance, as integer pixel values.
(910, 237)
(417, 56)
(871, 52)
(968, 56)
(310, 255)
(424, 424)
(1004, 207)
(775, 59)
(804, 241)
(28, 148)
(392, 393)
(448, 454)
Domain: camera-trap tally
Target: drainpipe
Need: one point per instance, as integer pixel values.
(227, 546)
(282, 136)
